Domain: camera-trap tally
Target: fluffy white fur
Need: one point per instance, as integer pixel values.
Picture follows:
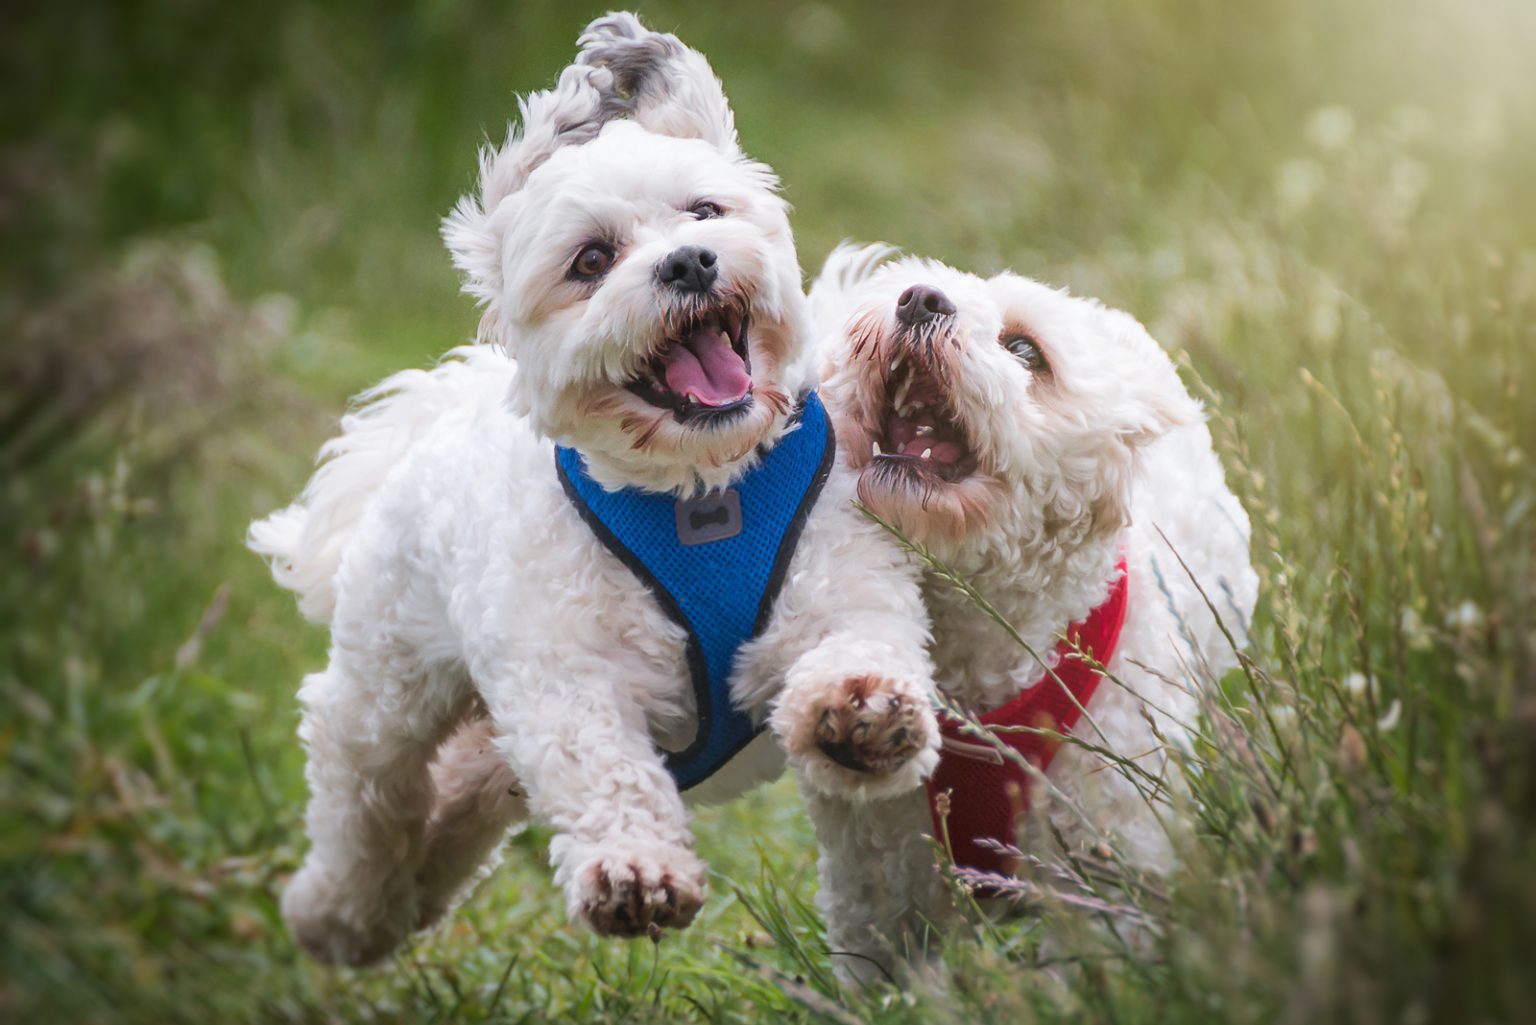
(490, 660)
(1095, 452)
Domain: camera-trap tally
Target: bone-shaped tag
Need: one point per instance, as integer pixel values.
(713, 517)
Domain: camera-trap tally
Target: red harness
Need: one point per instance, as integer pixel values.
(987, 793)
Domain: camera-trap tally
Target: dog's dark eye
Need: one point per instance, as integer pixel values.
(705, 210)
(592, 262)
(1025, 350)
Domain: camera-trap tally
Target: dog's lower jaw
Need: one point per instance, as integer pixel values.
(936, 513)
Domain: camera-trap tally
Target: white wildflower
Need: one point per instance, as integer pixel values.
(1331, 127)
(1298, 183)
(1324, 323)
(1390, 720)
(1413, 629)
(1357, 685)
(1465, 618)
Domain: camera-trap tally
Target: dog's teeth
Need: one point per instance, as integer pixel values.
(876, 449)
(927, 452)
(925, 429)
(901, 392)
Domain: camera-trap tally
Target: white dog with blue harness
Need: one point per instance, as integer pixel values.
(500, 652)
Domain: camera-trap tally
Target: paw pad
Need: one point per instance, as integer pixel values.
(871, 727)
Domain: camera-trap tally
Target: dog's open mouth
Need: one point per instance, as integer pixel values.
(922, 435)
(703, 369)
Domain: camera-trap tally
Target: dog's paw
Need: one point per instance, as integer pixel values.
(870, 726)
(864, 735)
(623, 892)
(338, 925)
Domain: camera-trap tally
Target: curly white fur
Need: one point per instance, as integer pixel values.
(1096, 451)
(489, 658)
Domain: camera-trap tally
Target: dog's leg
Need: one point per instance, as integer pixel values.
(844, 660)
(856, 714)
(856, 717)
(623, 851)
(1102, 801)
(476, 801)
(882, 895)
(371, 722)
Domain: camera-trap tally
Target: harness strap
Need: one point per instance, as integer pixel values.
(988, 792)
(715, 564)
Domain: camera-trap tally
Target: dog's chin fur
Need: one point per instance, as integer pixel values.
(925, 509)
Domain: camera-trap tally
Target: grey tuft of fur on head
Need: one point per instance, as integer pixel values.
(623, 70)
(672, 87)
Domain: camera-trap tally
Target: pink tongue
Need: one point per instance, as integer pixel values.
(703, 367)
(905, 440)
(945, 452)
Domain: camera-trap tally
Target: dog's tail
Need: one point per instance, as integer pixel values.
(304, 542)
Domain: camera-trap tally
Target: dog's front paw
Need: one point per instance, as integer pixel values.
(625, 891)
(869, 726)
(863, 735)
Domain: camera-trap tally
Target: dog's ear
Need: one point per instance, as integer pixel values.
(671, 87)
(1144, 398)
(1115, 392)
(574, 111)
(847, 266)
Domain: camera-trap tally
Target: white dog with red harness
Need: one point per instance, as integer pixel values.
(1043, 447)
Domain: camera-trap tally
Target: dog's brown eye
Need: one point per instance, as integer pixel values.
(705, 210)
(592, 262)
(1025, 350)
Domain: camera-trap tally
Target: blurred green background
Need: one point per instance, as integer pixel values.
(218, 221)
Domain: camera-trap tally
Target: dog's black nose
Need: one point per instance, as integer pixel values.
(689, 269)
(922, 303)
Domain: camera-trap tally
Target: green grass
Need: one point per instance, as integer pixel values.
(218, 222)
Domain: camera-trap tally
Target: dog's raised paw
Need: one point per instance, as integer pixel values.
(872, 726)
(628, 895)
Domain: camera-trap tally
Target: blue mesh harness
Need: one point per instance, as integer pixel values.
(715, 563)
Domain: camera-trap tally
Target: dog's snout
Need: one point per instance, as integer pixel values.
(689, 269)
(922, 303)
